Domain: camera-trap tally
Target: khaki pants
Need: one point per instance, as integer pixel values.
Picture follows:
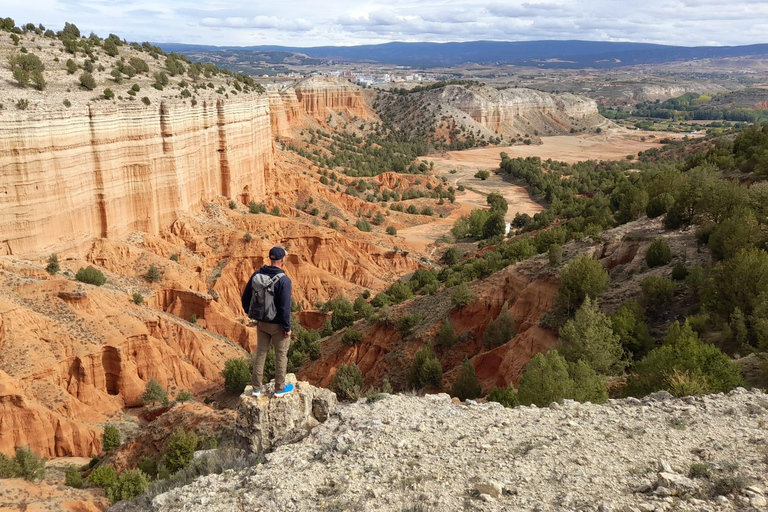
(274, 335)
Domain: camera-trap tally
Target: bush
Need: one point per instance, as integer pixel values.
(425, 369)
(450, 256)
(657, 291)
(589, 337)
(659, 205)
(549, 378)
(146, 101)
(154, 393)
(348, 381)
(138, 298)
(351, 337)
(466, 385)
(494, 226)
(446, 336)
(679, 271)
(109, 94)
(247, 237)
(181, 397)
(658, 253)
(147, 466)
(254, 207)
(90, 275)
(71, 67)
(628, 323)
(399, 292)
(391, 230)
(110, 438)
(343, 313)
(555, 255)
(237, 374)
(153, 274)
(500, 330)
(505, 396)
(461, 296)
(179, 449)
(406, 323)
(683, 353)
(87, 81)
(31, 465)
(129, 484)
(9, 468)
(363, 225)
(483, 175)
(583, 277)
(73, 478)
(53, 264)
(104, 477)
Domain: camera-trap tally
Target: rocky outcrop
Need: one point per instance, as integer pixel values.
(284, 110)
(513, 112)
(319, 96)
(104, 169)
(264, 422)
(625, 456)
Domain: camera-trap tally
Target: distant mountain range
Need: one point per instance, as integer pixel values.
(546, 54)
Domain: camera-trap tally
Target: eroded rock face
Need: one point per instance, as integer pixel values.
(265, 422)
(104, 170)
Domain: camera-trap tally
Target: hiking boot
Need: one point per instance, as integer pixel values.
(257, 392)
(282, 392)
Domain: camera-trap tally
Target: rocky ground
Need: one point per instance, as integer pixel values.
(429, 453)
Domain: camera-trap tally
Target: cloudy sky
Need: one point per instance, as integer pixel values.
(350, 22)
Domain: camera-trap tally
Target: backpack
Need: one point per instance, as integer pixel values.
(263, 297)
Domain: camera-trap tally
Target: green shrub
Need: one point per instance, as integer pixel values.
(583, 277)
(193, 319)
(450, 256)
(90, 275)
(683, 353)
(657, 291)
(550, 378)
(67, 103)
(254, 207)
(110, 438)
(348, 382)
(147, 466)
(589, 337)
(87, 81)
(146, 101)
(53, 264)
(154, 393)
(406, 323)
(446, 336)
(500, 330)
(659, 205)
(181, 397)
(179, 449)
(466, 385)
(461, 296)
(153, 274)
(9, 468)
(237, 374)
(628, 323)
(109, 94)
(343, 312)
(363, 309)
(482, 175)
(32, 466)
(555, 255)
(138, 298)
(399, 292)
(679, 271)
(351, 337)
(658, 253)
(363, 225)
(104, 477)
(71, 67)
(73, 478)
(129, 484)
(391, 230)
(425, 369)
(247, 237)
(505, 396)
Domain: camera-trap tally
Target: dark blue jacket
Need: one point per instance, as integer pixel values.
(282, 296)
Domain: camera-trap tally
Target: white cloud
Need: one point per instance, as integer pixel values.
(312, 23)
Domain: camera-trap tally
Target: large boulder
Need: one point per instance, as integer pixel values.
(265, 422)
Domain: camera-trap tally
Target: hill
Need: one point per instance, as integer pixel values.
(545, 54)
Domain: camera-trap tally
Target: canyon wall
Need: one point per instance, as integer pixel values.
(106, 169)
(514, 111)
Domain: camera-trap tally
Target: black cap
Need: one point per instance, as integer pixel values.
(276, 253)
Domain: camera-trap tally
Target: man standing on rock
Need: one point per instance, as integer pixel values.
(267, 299)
